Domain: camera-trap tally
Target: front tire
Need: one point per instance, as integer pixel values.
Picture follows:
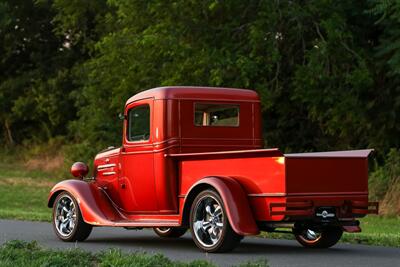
(209, 225)
(323, 238)
(170, 232)
(68, 223)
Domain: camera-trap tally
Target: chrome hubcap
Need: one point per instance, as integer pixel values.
(208, 221)
(311, 235)
(65, 216)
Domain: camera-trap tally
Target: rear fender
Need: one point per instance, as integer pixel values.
(95, 207)
(235, 202)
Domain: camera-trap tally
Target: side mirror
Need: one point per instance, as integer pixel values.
(79, 170)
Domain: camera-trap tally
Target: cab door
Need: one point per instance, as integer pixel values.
(137, 183)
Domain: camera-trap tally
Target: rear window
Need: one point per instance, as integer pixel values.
(216, 115)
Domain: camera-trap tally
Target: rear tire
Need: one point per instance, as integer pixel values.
(323, 238)
(209, 225)
(68, 223)
(170, 232)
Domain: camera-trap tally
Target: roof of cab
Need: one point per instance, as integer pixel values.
(193, 92)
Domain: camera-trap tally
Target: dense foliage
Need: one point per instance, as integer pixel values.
(327, 71)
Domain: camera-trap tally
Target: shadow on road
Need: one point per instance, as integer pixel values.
(249, 246)
(152, 242)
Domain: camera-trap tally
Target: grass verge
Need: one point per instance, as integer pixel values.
(19, 253)
(23, 193)
(381, 231)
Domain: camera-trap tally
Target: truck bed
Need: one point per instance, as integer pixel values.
(284, 186)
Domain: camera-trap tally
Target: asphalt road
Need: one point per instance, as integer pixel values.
(277, 252)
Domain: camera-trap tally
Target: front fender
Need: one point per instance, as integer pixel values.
(95, 208)
(235, 200)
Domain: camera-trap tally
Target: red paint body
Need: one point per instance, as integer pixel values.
(152, 183)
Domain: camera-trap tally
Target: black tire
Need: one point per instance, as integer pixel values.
(228, 239)
(80, 230)
(170, 232)
(326, 238)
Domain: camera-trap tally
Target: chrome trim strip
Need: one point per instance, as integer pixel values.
(146, 223)
(166, 141)
(108, 173)
(328, 194)
(268, 195)
(105, 166)
(305, 194)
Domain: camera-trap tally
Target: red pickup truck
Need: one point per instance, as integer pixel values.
(193, 158)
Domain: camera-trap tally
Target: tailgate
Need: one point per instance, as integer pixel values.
(326, 173)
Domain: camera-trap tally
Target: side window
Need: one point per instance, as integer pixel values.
(216, 115)
(139, 123)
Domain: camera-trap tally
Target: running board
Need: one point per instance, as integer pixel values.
(144, 223)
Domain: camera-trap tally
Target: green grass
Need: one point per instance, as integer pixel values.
(376, 230)
(18, 171)
(23, 195)
(19, 253)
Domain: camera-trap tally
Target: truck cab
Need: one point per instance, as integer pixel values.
(193, 158)
(161, 121)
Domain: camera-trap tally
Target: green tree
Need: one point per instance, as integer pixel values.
(42, 42)
(314, 74)
(327, 71)
(387, 71)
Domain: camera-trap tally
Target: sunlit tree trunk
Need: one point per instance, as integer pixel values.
(8, 133)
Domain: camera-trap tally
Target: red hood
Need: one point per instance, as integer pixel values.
(107, 153)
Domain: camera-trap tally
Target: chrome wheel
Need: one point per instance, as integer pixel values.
(310, 235)
(208, 221)
(65, 216)
(318, 238)
(209, 224)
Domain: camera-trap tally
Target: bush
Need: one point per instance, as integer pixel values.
(384, 184)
